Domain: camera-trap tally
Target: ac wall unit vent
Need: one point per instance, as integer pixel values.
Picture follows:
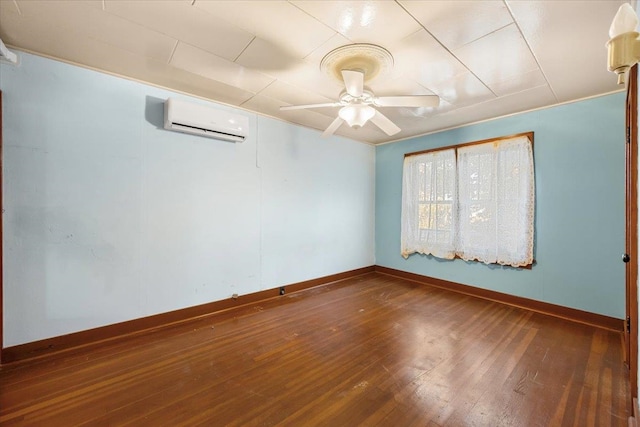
(196, 119)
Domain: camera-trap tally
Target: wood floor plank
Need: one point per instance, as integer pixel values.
(372, 350)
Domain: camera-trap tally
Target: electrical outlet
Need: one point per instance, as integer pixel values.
(282, 290)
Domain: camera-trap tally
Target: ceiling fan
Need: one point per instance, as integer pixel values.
(353, 65)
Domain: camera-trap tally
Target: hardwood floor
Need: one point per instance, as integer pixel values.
(372, 350)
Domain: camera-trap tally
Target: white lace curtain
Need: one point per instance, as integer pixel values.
(429, 204)
(496, 202)
(479, 206)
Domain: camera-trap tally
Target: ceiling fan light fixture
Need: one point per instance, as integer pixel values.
(356, 115)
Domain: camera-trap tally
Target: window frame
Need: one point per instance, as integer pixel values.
(466, 144)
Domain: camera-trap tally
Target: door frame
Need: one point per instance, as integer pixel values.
(631, 230)
(1, 240)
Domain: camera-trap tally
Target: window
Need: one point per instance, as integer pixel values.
(429, 204)
(473, 201)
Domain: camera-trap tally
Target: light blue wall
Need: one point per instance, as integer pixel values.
(579, 166)
(108, 217)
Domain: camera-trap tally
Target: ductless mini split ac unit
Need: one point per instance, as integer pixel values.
(187, 117)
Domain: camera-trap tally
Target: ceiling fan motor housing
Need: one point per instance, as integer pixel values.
(352, 66)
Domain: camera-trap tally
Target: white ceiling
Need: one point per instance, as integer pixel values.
(483, 58)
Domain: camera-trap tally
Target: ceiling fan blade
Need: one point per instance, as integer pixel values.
(332, 127)
(300, 107)
(384, 123)
(353, 82)
(408, 101)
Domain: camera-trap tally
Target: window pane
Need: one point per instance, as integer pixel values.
(424, 216)
(444, 217)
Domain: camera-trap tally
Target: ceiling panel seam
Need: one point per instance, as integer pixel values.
(173, 52)
(491, 32)
(535, 57)
(317, 20)
(446, 48)
(245, 48)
